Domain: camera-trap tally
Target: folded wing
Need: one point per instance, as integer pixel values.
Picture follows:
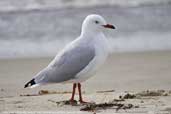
(67, 65)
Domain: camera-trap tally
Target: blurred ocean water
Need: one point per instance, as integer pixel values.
(11, 5)
(42, 27)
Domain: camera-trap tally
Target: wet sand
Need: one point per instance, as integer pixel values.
(123, 72)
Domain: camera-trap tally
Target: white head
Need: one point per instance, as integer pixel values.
(95, 23)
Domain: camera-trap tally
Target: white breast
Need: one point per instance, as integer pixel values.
(101, 49)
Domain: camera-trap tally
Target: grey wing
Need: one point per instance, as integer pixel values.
(68, 65)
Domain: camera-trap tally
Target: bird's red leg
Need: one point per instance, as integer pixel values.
(73, 92)
(80, 95)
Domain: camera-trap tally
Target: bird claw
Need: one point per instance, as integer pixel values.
(85, 103)
(72, 102)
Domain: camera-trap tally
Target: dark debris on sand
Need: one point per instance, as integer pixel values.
(154, 93)
(116, 103)
(147, 93)
(128, 96)
(104, 106)
(93, 107)
(47, 92)
(65, 102)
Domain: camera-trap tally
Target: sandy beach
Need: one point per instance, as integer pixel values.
(122, 73)
(134, 80)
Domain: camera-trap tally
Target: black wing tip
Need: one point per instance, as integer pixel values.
(30, 83)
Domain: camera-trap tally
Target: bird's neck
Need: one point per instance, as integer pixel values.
(98, 40)
(90, 34)
(94, 38)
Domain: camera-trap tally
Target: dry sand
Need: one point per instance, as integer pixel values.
(123, 72)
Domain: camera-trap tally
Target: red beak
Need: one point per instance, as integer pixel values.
(109, 26)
